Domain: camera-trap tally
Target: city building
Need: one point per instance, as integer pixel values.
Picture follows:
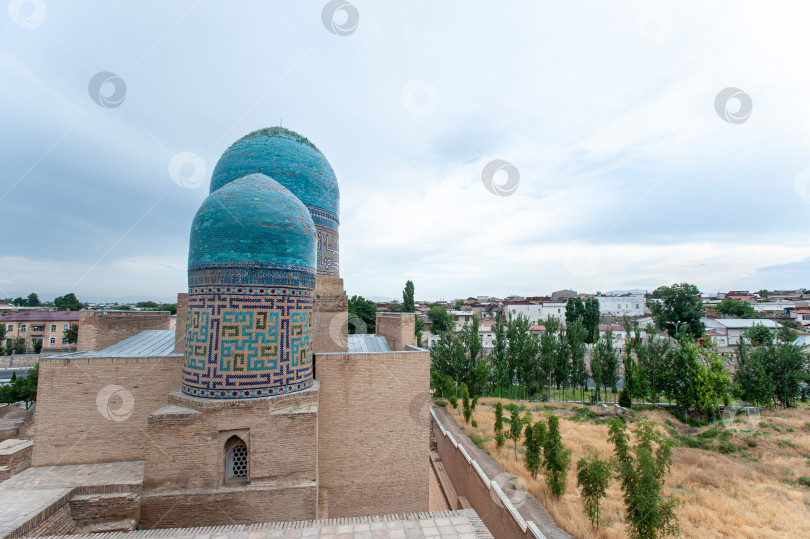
(46, 327)
(631, 305)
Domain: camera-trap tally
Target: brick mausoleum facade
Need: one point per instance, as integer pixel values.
(260, 407)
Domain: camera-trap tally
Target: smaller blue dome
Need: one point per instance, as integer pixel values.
(251, 223)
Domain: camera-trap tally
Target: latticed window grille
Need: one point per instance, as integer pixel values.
(237, 460)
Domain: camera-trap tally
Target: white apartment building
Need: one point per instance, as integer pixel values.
(537, 313)
(629, 305)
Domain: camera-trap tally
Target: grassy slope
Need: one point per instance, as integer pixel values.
(730, 484)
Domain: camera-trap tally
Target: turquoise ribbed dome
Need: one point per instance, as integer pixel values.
(287, 157)
(252, 221)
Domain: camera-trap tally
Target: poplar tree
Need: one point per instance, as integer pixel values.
(500, 437)
(515, 427)
(557, 458)
(593, 478)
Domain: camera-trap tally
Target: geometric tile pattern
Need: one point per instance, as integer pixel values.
(247, 345)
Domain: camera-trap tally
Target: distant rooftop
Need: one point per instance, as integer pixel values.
(42, 316)
(148, 343)
(368, 344)
(737, 323)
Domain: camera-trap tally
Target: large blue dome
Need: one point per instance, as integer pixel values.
(287, 157)
(252, 231)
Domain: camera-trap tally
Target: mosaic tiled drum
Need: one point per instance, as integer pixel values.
(294, 162)
(251, 272)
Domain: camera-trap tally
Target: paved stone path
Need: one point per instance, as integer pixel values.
(31, 496)
(462, 524)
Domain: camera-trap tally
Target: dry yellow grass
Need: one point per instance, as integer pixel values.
(721, 496)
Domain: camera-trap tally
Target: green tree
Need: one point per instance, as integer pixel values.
(458, 305)
(590, 320)
(574, 308)
(752, 376)
(562, 366)
(440, 319)
(21, 389)
(418, 329)
(362, 315)
(759, 335)
(736, 307)
(557, 459)
(467, 405)
(68, 301)
(2, 334)
(146, 305)
(677, 309)
(609, 361)
(20, 302)
(71, 333)
(575, 333)
(515, 427)
(651, 364)
(408, 304)
(593, 478)
(16, 346)
(33, 300)
(521, 351)
(500, 365)
(642, 472)
(532, 457)
(785, 364)
(500, 437)
(596, 371)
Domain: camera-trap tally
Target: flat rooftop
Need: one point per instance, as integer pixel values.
(147, 343)
(461, 524)
(368, 344)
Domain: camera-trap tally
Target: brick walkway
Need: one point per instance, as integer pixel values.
(463, 524)
(29, 497)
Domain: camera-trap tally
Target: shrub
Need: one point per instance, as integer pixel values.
(453, 402)
(466, 409)
(534, 436)
(474, 424)
(478, 440)
(804, 481)
(440, 402)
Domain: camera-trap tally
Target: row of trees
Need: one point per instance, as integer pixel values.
(640, 468)
(770, 369)
(68, 301)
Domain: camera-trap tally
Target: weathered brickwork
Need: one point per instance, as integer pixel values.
(88, 509)
(239, 506)
(187, 439)
(100, 329)
(397, 328)
(15, 455)
(373, 440)
(78, 423)
(180, 327)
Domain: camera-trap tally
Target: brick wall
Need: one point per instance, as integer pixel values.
(180, 327)
(100, 329)
(70, 422)
(397, 328)
(186, 445)
(484, 494)
(244, 506)
(330, 310)
(373, 434)
(18, 360)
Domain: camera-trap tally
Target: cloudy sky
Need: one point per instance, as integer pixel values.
(630, 171)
